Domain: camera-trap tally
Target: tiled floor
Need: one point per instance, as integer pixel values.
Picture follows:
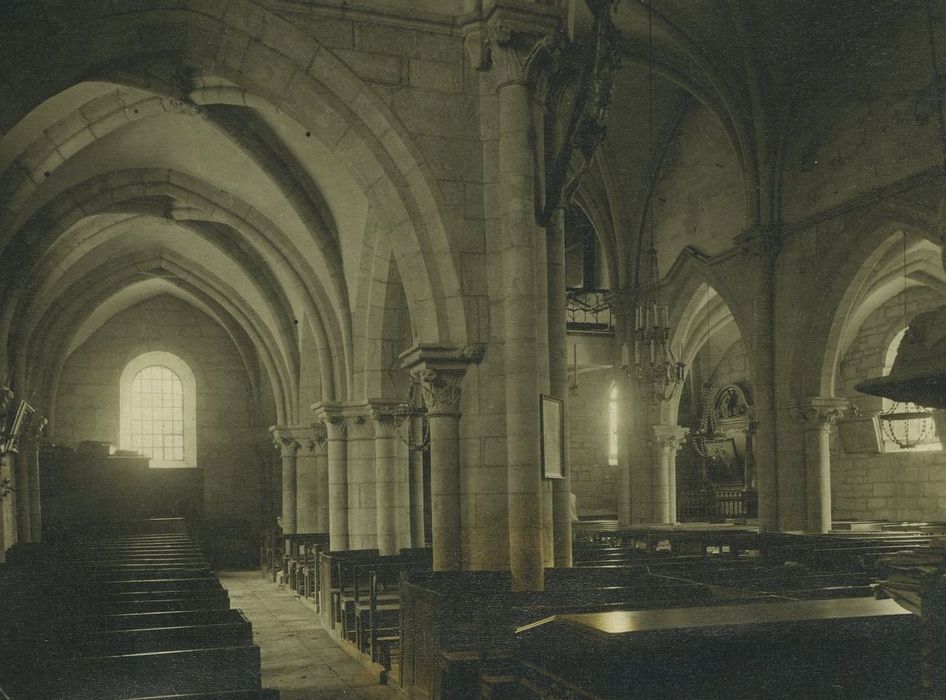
(299, 658)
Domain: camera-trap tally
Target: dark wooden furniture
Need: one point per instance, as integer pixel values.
(821, 649)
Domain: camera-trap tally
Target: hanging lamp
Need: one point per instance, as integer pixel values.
(655, 366)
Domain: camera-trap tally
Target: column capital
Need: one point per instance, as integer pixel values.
(669, 437)
(284, 439)
(515, 36)
(331, 416)
(441, 389)
(384, 415)
(818, 413)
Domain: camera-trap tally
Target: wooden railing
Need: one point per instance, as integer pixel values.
(587, 311)
(712, 504)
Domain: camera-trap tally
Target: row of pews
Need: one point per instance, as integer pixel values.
(717, 612)
(355, 592)
(131, 610)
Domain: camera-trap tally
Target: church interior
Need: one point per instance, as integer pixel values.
(530, 348)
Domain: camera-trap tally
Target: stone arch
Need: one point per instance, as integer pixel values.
(292, 72)
(853, 264)
(66, 320)
(700, 311)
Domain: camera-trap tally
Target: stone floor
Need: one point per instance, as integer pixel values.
(299, 658)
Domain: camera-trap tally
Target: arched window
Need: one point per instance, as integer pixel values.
(931, 442)
(613, 426)
(158, 410)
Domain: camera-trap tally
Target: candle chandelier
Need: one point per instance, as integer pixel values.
(655, 366)
(708, 431)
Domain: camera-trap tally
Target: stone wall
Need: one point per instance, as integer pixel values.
(895, 485)
(87, 405)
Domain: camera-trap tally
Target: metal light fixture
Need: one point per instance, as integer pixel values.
(406, 413)
(708, 430)
(906, 424)
(655, 366)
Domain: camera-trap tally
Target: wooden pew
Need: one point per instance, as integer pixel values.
(209, 670)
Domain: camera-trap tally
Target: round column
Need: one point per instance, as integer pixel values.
(307, 489)
(667, 441)
(321, 482)
(816, 416)
(441, 392)
(288, 448)
(524, 259)
(337, 463)
(386, 481)
(415, 465)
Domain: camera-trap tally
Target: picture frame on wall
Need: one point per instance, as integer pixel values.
(551, 418)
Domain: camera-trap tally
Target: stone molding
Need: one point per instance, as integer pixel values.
(762, 242)
(818, 413)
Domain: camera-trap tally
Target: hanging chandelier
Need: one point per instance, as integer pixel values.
(708, 430)
(906, 424)
(406, 414)
(655, 365)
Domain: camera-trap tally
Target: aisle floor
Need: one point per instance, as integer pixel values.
(299, 658)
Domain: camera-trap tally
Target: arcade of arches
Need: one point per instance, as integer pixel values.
(322, 208)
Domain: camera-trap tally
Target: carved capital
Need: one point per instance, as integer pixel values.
(330, 415)
(441, 390)
(384, 418)
(669, 438)
(284, 441)
(818, 413)
(514, 38)
(358, 427)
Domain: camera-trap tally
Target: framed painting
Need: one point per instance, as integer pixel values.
(551, 417)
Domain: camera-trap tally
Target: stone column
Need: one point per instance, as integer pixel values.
(760, 247)
(337, 462)
(321, 479)
(288, 448)
(307, 486)
(415, 467)
(667, 441)
(816, 415)
(558, 385)
(441, 391)
(386, 475)
(522, 265)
